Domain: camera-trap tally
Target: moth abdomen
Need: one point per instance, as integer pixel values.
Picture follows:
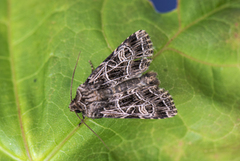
(150, 79)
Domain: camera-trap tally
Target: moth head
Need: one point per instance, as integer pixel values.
(74, 107)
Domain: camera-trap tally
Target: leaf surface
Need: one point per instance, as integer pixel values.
(196, 56)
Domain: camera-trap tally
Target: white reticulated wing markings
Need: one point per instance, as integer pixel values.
(117, 88)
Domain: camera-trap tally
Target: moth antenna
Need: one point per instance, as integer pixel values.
(91, 130)
(73, 76)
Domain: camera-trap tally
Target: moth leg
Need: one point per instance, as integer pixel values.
(81, 120)
(91, 65)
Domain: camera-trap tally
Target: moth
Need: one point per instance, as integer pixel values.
(117, 88)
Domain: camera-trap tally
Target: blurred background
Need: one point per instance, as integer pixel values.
(163, 6)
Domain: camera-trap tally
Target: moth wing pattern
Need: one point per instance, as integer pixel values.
(140, 101)
(117, 88)
(130, 59)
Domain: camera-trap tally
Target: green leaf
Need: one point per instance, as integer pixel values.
(196, 56)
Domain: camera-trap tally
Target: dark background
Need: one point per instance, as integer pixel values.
(164, 5)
